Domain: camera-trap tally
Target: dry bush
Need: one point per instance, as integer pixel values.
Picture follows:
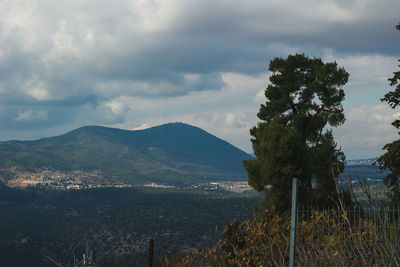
(323, 238)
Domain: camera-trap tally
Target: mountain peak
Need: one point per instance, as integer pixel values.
(168, 153)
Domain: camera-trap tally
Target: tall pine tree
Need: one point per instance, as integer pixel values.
(304, 96)
(391, 159)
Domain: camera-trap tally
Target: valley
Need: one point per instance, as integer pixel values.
(117, 222)
(113, 190)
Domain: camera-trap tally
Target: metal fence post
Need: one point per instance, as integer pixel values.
(293, 224)
(151, 246)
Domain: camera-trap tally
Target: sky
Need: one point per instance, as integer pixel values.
(136, 64)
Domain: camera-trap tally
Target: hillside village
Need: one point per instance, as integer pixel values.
(78, 179)
(55, 179)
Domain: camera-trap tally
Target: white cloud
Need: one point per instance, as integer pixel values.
(89, 37)
(37, 90)
(366, 130)
(366, 71)
(141, 127)
(39, 93)
(234, 120)
(110, 112)
(31, 115)
(238, 81)
(64, 43)
(116, 107)
(260, 97)
(154, 16)
(18, 18)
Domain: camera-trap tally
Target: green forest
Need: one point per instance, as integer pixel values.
(118, 223)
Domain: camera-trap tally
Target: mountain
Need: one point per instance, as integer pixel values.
(174, 153)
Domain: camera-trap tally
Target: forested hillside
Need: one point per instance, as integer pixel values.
(118, 223)
(174, 153)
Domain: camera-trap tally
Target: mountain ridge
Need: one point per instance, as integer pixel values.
(170, 153)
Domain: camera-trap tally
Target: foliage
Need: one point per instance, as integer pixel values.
(264, 241)
(391, 159)
(304, 97)
(116, 222)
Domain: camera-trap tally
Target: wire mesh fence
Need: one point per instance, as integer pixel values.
(350, 237)
(324, 237)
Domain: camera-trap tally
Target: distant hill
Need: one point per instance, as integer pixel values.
(174, 153)
(361, 169)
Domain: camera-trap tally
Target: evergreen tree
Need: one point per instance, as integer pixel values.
(304, 96)
(391, 159)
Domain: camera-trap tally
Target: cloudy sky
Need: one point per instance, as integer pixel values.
(134, 64)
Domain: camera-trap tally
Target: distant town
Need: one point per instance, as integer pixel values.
(233, 186)
(76, 180)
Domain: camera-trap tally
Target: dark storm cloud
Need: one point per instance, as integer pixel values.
(67, 62)
(79, 49)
